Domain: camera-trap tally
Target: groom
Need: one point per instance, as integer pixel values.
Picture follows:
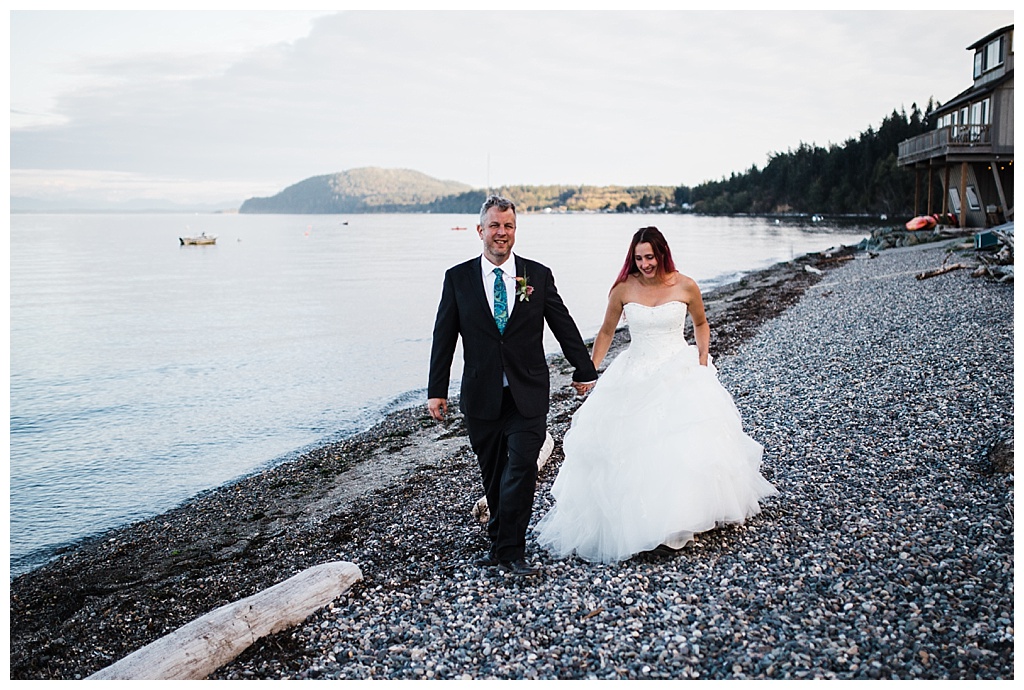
(498, 302)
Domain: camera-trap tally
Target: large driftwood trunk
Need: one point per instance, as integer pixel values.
(939, 271)
(199, 648)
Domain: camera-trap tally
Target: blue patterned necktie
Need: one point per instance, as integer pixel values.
(500, 301)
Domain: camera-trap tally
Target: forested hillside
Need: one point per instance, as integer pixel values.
(564, 198)
(858, 176)
(361, 190)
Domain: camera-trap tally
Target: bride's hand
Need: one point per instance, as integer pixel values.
(582, 388)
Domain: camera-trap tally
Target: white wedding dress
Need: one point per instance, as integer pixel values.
(655, 454)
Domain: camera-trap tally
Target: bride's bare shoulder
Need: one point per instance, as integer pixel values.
(686, 288)
(684, 281)
(620, 291)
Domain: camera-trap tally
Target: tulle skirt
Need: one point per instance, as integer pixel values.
(656, 454)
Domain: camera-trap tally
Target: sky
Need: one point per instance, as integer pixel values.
(210, 107)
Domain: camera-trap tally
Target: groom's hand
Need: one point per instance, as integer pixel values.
(438, 408)
(582, 388)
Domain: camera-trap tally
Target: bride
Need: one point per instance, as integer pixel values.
(657, 453)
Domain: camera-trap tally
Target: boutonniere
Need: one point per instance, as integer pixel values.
(523, 288)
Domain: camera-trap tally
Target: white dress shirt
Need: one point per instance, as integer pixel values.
(508, 274)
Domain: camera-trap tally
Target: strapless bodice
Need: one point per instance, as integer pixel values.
(656, 334)
(661, 325)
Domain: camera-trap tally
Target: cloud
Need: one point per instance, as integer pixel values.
(514, 97)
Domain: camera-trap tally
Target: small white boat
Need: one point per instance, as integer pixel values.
(201, 238)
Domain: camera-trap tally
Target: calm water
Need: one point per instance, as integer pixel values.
(143, 372)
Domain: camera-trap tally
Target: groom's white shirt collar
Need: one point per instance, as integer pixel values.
(508, 268)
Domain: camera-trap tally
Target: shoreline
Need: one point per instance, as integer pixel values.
(112, 594)
(731, 331)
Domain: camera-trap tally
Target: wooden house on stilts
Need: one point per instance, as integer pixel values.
(970, 152)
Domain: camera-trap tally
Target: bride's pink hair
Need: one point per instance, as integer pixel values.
(662, 253)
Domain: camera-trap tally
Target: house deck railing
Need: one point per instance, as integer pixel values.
(944, 140)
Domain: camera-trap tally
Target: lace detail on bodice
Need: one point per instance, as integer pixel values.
(656, 332)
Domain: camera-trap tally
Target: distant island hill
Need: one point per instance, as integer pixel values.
(382, 190)
(861, 177)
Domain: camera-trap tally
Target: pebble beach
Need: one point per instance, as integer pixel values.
(885, 406)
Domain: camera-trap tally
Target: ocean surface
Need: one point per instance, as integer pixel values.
(143, 372)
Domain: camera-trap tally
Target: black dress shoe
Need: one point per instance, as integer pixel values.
(519, 567)
(486, 561)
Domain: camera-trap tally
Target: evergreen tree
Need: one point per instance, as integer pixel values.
(859, 176)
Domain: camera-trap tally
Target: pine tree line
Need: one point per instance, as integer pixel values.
(860, 176)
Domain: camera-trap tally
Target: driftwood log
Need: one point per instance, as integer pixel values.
(480, 511)
(195, 650)
(997, 265)
(835, 259)
(939, 271)
(1000, 272)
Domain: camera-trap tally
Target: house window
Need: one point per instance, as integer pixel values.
(994, 54)
(954, 200)
(972, 198)
(951, 120)
(980, 116)
(989, 57)
(976, 109)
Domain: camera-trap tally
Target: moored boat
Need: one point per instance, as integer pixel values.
(201, 238)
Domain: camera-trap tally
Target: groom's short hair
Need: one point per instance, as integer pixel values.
(493, 200)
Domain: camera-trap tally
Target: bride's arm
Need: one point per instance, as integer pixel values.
(701, 329)
(612, 314)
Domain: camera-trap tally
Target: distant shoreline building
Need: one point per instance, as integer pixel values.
(971, 149)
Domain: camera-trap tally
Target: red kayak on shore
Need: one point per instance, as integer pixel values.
(923, 222)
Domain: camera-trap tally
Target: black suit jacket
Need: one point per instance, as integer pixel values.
(487, 353)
